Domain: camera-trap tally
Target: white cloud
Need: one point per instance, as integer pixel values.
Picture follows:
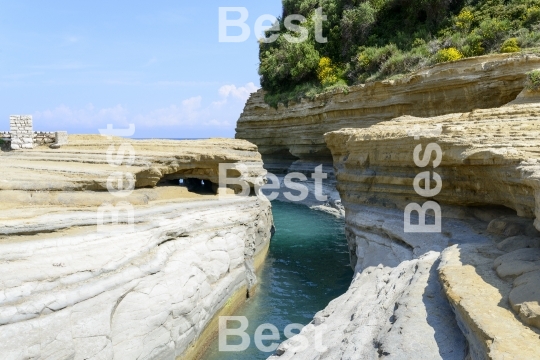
(241, 93)
(190, 113)
(187, 114)
(192, 103)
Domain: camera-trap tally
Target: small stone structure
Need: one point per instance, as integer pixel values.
(61, 138)
(22, 135)
(22, 132)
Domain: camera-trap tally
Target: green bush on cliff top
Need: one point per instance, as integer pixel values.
(370, 40)
(533, 80)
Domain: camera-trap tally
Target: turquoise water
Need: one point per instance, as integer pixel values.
(307, 266)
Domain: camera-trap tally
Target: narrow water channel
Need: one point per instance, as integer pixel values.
(307, 266)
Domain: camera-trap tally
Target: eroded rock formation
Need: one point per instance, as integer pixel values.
(490, 157)
(70, 289)
(286, 134)
(85, 165)
(470, 291)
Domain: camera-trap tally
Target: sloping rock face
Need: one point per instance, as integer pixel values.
(71, 289)
(468, 291)
(480, 301)
(388, 313)
(295, 132)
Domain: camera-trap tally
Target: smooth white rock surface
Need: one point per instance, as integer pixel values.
(78, 294)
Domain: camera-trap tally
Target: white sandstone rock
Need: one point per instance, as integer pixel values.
(146, 294)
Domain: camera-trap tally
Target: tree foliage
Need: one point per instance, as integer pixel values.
(288, 64)
(374, 39)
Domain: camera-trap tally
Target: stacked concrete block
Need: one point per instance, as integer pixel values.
(22, 133)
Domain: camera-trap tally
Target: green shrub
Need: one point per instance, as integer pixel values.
(492, 32)
(371, 59)
(450, 54)
(306, 90)
(394, 65)
(533, 80)
(376, 39)
(400, 63)
(340, 85)
(510, 46)
(473, 45)
(355, 24)
(528, 38)
(532, 15)
(379, 4)
(288, 65)
(418, 42)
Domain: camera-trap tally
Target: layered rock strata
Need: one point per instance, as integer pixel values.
(470, 291)
(73, 289)
(490, 157)
(286, 134)
(291, 138)
(86, 163)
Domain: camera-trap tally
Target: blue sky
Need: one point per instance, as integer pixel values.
(78, 66)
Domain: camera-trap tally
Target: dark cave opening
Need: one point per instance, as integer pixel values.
(194, 185)
(199, 186)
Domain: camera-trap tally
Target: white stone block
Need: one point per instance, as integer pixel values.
(61, 137)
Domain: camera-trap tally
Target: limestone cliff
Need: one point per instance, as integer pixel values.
(489, 157)
(469, 291)
(286, 134)
(69, 289)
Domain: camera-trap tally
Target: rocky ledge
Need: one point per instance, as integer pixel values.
(72, 289)
(296, 132)
(291, 138)
(470, 291)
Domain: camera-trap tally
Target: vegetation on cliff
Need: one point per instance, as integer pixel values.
(370, 40)
(533, 80)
